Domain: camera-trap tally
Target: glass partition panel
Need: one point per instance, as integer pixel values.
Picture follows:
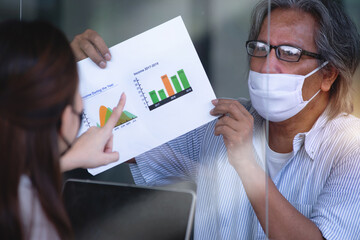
(226, 195)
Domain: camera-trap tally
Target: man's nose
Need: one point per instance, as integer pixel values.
(272, 64)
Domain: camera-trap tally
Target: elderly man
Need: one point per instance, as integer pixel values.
(300, 82)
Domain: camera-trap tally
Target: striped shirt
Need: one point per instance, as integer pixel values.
(321, 180)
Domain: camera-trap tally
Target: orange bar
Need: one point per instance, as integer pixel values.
(167, 85)
(102, 113)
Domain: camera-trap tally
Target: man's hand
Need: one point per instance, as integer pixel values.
(90, 44)
(236, 126)
(94, 147)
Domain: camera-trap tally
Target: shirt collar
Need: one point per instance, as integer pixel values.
(311, 138)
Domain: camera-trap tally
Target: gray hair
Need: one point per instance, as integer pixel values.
(337, 41)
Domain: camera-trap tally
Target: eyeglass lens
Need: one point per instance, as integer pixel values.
(283, 52)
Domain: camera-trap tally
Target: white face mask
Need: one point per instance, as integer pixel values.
(281, 97)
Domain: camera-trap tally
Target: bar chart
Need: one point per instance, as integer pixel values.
(172, 90)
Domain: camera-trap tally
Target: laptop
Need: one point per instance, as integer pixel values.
(102, 210)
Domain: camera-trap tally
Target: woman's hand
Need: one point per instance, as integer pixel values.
(94, 147)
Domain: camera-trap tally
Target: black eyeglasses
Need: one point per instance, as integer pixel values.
(283, 52)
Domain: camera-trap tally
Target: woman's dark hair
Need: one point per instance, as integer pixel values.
(38, 79)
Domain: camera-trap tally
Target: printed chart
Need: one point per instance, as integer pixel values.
(162, 90)
(171, 91)
(96, 113)
(105, 113)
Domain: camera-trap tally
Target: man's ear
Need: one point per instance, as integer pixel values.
(329, 76)
(66, 120)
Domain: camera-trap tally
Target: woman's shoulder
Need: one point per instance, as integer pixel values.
(34, 220)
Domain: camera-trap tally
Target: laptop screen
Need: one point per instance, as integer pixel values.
(99, 210)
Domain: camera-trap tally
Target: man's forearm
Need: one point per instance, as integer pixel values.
(284, 221)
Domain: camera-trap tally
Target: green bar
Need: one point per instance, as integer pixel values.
(154, 97)
(108, 114)
(162, 94)
(183, 79)
(176, 83)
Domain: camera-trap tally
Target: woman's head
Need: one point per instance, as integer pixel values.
(38, 73)
(38, 83)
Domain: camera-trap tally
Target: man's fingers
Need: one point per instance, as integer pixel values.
(110, 124)
(89, 49)
(229, 107)
(224, 130)
(78, 53)
(100, 44)
(90, 44)
(80, 56)
(229, 122)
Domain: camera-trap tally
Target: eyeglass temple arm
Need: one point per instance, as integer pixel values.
(314, 55)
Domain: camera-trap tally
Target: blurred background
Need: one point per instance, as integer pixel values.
(218, 28)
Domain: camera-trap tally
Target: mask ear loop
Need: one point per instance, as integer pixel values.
(314, 96)
(314, 71)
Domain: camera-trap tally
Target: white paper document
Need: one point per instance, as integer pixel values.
(168, 92)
